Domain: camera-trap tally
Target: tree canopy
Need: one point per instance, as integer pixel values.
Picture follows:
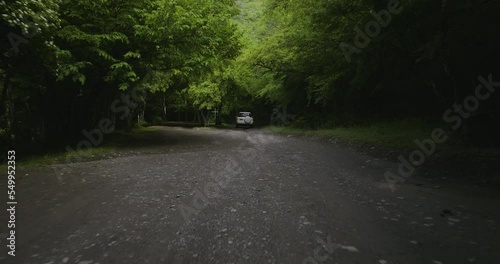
(65, 63)
(423, 48)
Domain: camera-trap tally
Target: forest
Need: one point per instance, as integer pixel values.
(67, 67)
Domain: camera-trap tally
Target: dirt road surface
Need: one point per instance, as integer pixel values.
(245, 196)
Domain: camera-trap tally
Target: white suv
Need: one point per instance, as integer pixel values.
(244, 119)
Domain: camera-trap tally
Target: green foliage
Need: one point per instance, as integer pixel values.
(418, 64)
(72, 59)
(391, 134)
(76, 57)
(205, 95)
(190, 38)
(31, 16)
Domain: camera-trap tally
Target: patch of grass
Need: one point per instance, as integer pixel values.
(111, 144)
(120, 138)
(60, 157)
(394, 134)
(179, 124)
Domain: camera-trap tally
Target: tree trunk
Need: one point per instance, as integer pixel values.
(186, 111)
(445, 52)
(164, 108)
(205, 118)
(4, 93)
(128, 123)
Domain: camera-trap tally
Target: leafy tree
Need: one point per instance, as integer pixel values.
(27, 58)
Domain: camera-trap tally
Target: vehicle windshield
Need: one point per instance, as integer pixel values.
(243, 114)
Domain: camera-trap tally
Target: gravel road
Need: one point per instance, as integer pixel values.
(245, 196)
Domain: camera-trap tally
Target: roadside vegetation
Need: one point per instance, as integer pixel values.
(396, 135)
(68, 67)
(112, 144)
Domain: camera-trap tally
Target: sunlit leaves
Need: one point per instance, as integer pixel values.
(197, 36)
(31, 16)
